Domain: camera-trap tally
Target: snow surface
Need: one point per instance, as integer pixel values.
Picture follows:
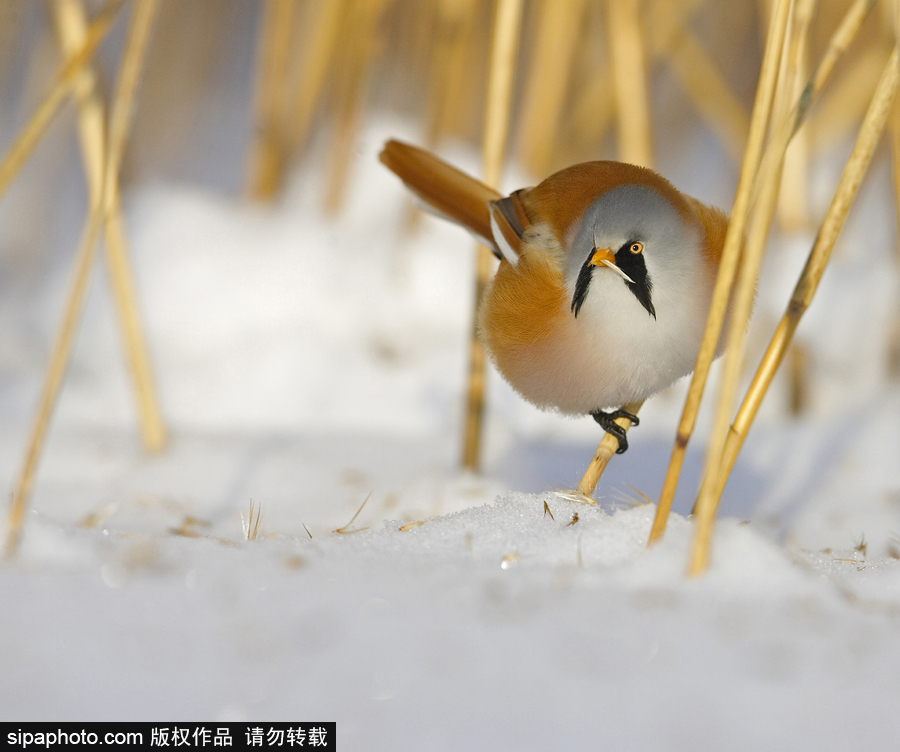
(310, 363)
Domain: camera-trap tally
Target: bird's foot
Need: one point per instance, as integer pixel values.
(608, 424)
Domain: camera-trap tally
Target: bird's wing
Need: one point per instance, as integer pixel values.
(443, 190)
(508, 223)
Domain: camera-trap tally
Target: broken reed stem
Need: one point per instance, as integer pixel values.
(869, 134)
(504, 50)
(120, 114)
(268, 149)
(626, 42)
(605, 450)
(31, 134)
(762, 108)
(71, 23)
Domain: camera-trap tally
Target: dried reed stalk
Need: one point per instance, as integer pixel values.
(71, 23)
(626, 41)
(762, 108)
(120, 114)
(268, 148)
(559, 23)
(840, 40)
(792, 204)
(799, 380)
(894, 130)
(605, 450)
(768, 181)
(449, 36)
(593, 110)
(314, 69)
(869, 134)
(504, 49)
(717, 465)
(363, 16)
(31, 134)
(454, 22)
(670, 39)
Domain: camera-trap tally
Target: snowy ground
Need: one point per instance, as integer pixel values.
(308, 364)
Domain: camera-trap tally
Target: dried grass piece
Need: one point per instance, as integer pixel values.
(249, 525)
(343, 530)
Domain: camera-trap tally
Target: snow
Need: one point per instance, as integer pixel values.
(309, 364)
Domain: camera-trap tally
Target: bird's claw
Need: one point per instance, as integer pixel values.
(608, 424)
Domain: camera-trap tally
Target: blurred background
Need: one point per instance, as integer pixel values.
(307, 330)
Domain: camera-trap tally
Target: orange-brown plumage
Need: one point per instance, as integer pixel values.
(606, 275)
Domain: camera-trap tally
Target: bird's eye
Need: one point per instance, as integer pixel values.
(636, 248)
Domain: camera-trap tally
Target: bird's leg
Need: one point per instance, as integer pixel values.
(608, 424)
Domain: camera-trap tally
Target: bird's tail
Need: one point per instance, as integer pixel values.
(443, 189)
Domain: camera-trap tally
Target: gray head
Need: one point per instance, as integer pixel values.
(637, 233)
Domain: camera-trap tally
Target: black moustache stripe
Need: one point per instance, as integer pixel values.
(634, 266)
(582, 284)
(630, 263)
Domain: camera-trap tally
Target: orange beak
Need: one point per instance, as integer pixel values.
(605, 257)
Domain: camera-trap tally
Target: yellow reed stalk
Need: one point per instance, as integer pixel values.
(559, 23)
(120, 114)
(501, 76)
(605, 450)
(31, 134)
(71, 23)
(768, 182)
(453, 27)
(626, 43)
(762, 108)
(792, 203)
(799, 380)
(314, 69)
(837, 45)
(268, 149)
(362, 26)
(894, 127)
(805, 290)
(593, 110)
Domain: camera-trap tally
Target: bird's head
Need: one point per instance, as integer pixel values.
(632, 240)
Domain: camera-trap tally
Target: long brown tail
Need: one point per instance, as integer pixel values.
(444, 189)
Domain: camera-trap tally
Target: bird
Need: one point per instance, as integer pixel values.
(604, 283)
